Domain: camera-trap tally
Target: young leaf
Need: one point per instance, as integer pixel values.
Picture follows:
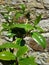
(22, 50)
(39, 39)
(27, 61)
(5, 55)
(37, 20)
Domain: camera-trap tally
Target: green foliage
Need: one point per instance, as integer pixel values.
(10, 35)
(20, 42)
(9, 45)
(39, 39)
(37, 20)
(27, 61)
(22, 51)
(27, 27)
(18, 14)
(22, 6)
(18, 32)
(39, 29)
(6, 55)
(5, 26)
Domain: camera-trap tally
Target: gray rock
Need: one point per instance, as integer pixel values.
(46, 3)
(1, 63)
(44, 24)
(45, 13)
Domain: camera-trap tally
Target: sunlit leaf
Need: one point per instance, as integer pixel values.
(20, 42)
(27, 27)
(5, 55)
(39, 39)
(22, 50)
(10, 35)
(9, 45)
(27, 61)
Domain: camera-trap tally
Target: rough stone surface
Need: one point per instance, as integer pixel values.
(36, 7)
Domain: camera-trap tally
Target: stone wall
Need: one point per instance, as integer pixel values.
(36, 7)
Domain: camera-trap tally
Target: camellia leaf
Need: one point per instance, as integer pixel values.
(27, 61)
(5, 55)
(37, 20)
(39, 39)
(22, 50)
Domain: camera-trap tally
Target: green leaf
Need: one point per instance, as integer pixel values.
(5, 55)
(39, 39)
(9, 45)
(6, 16)
(18, 14)
(5, 26)
(15, 44)
(22, 50)
(39, 28)
(20, 42)
(37, 20)
(27, 27)
(10, 34)
(27, 61)
(23, 7)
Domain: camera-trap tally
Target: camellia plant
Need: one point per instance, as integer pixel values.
(18, 31)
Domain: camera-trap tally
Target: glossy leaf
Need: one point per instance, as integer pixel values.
(27, 61)
(22, 50)
(37, 20)
(5, 55)
(39, 39)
